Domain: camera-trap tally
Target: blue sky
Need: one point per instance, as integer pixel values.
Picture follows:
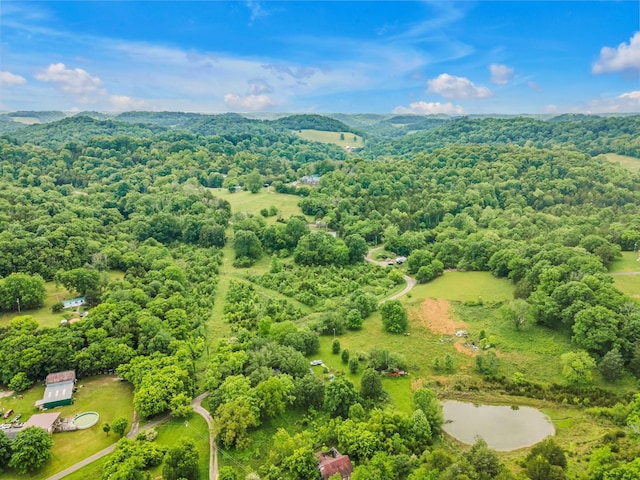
(301, 56)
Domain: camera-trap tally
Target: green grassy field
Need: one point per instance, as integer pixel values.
(106, 395)
(627, 263)
(244, 201)
(465, 286)
(332, 137)
(628, 284)
(92, 471)
(26, 120)
(630, 163)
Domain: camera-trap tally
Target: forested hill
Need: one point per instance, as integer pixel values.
(145, 124)
(313, 122)
(80, 129)
(590, 135)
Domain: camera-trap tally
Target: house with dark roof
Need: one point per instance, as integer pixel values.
(332, 462)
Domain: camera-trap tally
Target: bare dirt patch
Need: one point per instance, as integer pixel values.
(460, 346)
(434, 314)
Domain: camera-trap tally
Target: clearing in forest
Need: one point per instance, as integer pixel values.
(247, 202)
(466, 287)
(342, 139)
(629, 163)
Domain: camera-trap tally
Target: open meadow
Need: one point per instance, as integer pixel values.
(466, 287)
(342, 139)
(626, 274)
(628, 284)
(247, 202)
(628, 262)
(630, 163)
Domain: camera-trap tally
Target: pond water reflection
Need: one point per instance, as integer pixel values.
(503, 428)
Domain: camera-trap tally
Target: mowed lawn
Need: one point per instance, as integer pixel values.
(630, 163)
(627, 263)
(628, 284)
(247, 202)
(465, 287)
(104, 394)
(350, 139)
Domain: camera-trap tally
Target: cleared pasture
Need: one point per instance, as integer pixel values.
(630, 163)
(247, 202)
(627, 263)
(26, 120)
(465, 287)
(628, 284)
(342, 139)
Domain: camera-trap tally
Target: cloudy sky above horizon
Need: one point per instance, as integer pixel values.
(302, 56)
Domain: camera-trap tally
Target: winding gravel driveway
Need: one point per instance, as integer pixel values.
(135, 428)
(411, 282)
(213, 446)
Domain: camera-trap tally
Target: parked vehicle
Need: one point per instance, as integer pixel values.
(8, 413)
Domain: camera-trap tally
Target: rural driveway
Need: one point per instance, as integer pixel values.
(411, 282)
(135, 428)
(213, 447)
(615, 274)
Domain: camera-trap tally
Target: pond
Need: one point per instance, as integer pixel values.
(503, 428)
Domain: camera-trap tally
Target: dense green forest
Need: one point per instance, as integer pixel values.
(187, 294)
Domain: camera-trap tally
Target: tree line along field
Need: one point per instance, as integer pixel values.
(231, 287)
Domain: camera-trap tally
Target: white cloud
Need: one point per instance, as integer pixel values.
(258, 87)
(624, 103)
(625, 57)
(8, 79)
(430, 108)
(248, 103)
(450, 86)
(257, 10)
(534, 86)
(123, 103)
(500, 74)
(76, 81)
